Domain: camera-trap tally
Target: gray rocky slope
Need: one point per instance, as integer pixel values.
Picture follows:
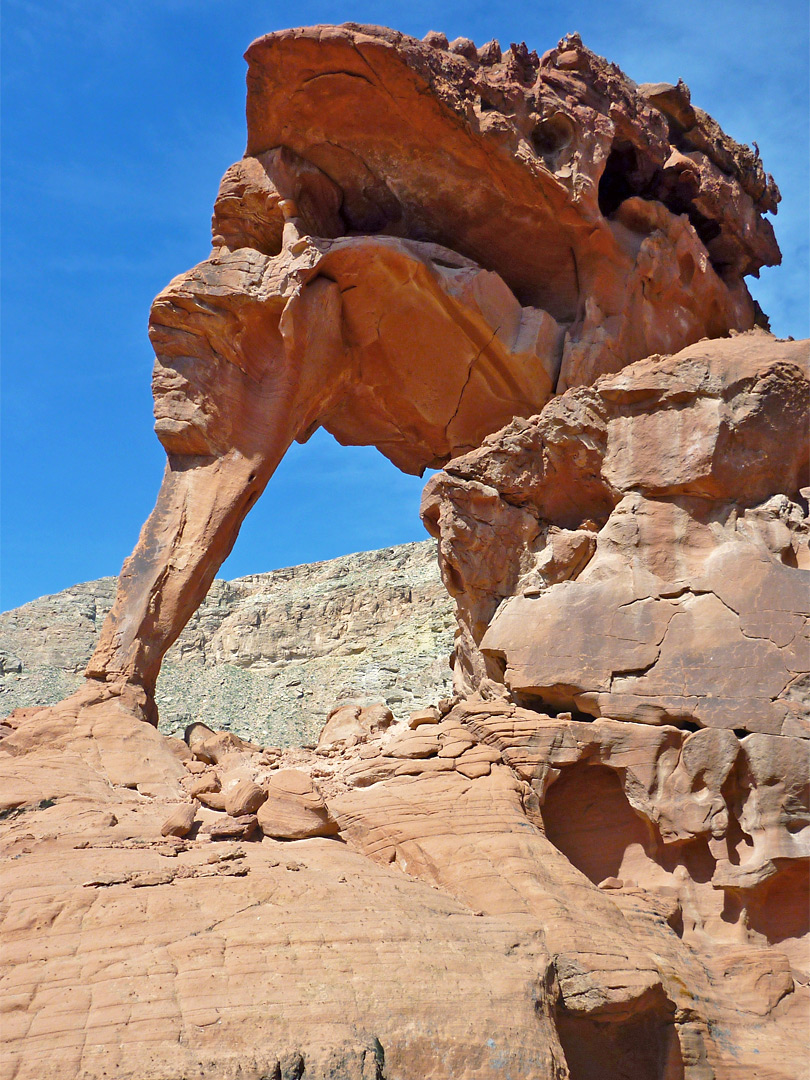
(266, 656)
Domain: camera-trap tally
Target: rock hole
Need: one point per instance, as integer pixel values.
(686, 265)
(551, 136)
(694, 855)
(495, 666)
(642, 1047)
(736, 839)
(675, 921)
(678, 196)
(627, 173)
(619, 179)
(732, 906)
(588, 818)
(453, 581)
(789, 558)
(779, 908)
(687, 725)
(536, 704)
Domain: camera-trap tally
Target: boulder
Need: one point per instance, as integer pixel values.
(354, 722)
(244, 798)
(181, 821)
(233, 828)
(661, 570)
(294, 808)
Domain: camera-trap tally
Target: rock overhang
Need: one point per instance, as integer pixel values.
(517, 161)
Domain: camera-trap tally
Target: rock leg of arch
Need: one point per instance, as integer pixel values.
(226, 420)
(189, 533)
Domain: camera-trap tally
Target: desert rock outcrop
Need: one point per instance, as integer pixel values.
(498, 229)
(590, 861)
(650, 540)
(499, 889)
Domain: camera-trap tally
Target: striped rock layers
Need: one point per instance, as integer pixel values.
(591, 861)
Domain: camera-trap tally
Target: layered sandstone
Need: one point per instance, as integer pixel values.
(590, 862)
(493, 889)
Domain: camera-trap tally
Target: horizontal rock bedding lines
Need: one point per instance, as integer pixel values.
(590, 861)
(464, 802)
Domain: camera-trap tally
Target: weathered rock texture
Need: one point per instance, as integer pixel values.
(639, 550)
(498, 228)
(591, 862)
(497, 892)
(130, 954)
(266, 656)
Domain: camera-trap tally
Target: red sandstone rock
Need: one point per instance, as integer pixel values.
(214, 749)
(629, 224)
(648, 970)
(682, 594)
(553, 875)
(294, 809)
(226, 827)
(181, 821)
(423, 716)
(414, 744)
(203, 784)
(244, 798)
(353, 722)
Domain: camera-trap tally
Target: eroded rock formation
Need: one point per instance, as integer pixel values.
(497, 229)
(608, 899)
(650, 540)
(591, 862)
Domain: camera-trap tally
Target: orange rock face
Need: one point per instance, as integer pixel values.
(511, 890)
(591, 863)
(639, 549)
(499, 228)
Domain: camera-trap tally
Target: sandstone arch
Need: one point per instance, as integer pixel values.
(625, 564)
(496, 229)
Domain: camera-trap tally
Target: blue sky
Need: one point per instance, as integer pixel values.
(118, 121)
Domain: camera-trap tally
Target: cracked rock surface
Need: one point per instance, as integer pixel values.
(588, 863)
(651, 544)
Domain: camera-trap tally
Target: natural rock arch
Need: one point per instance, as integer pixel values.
(416, 280)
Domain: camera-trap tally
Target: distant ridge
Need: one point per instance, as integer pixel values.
(266, 655)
